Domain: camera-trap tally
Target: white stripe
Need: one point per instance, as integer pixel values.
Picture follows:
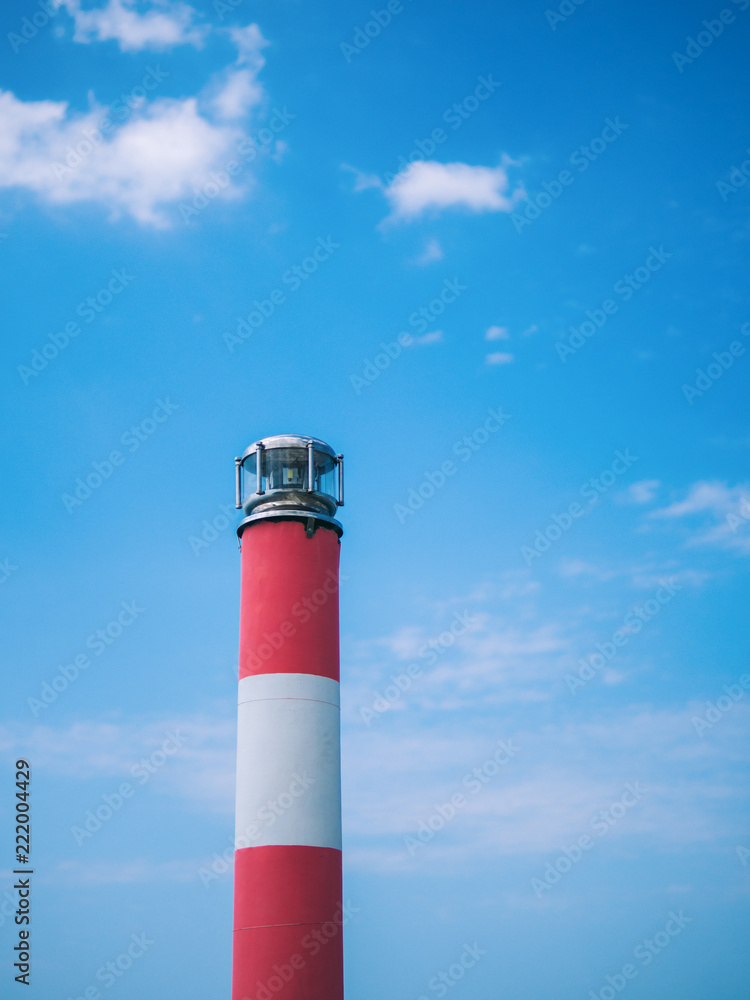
(288, 761)
(261, 686)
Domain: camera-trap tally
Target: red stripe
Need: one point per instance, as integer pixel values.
(289, 620)
(288, 940)
(283, 884)
(278, 963)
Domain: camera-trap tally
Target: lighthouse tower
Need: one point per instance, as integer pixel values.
(287, 890)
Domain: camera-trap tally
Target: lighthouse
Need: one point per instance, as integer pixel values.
(288, 912)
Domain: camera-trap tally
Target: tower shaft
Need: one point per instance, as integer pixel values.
(288, 898)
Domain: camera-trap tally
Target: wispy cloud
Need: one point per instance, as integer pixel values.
(201, 773)
(644, 491)
(570, 568)
(433, 337)
(702, 496)
(137, 870)
(432, 252)
(563, 775)
(502, 678)
(238, 90)
(497, 333)
(163, 25)
(362, 181)
(565, 771)
(723, 513)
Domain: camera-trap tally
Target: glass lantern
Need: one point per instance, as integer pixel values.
(288, 473)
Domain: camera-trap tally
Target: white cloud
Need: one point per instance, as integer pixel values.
(163, 26)
(238, 89)
(723, 512)
(567, 768)
(362, 181)
(491, 683)
(161, 153)
(569, 568)
(200, 771)
(280, 150)
(497, 333)
(499, 658)
(249, 41)
(643, 491)
(434, 337)
(513, 653)
(499, 358)
(702, 496)
(95, 873)
(652, 577)
(564, 772)
(547, 795)
(640, 576)
(426, 185)
(432, 252)
(239, 92)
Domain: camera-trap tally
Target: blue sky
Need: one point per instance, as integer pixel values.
(212, 218)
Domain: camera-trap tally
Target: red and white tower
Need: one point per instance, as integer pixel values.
(287, 889)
